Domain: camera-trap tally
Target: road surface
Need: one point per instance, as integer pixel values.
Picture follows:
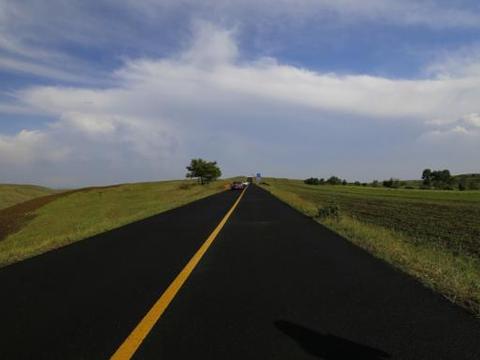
(274, 284)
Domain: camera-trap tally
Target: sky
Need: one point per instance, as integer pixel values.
(97, 92)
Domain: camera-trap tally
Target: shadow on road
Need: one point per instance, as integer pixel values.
(326, 346)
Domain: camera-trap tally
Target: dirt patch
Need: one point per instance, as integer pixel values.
(13, 218)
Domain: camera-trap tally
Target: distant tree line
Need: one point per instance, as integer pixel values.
(442, 179)
(431, 179)
(332, 180)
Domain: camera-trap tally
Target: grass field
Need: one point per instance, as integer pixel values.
(11, 194)
(46, 223)
(433, 235)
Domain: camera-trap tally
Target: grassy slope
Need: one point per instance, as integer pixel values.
(80, 214)
(432, 235)
(11, 194)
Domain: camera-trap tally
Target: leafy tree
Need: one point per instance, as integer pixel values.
(204, 171)
(440, 179)
(427, 177)
(312, 181)
(344, 182)
(333, 180)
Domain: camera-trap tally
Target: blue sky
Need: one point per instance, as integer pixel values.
(95, 92)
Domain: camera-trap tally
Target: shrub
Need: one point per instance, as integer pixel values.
(186, 186)
(330, 211)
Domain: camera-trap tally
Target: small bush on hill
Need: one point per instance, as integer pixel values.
(186, 186)
(330, 211)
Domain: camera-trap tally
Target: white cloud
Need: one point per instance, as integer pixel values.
(472, 120)
(17, 65)
(91, 124)
(14, 109)
(464, 128)
(34, 35)
(27, 147)
(206, 99)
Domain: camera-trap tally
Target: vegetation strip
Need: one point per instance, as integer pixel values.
(50, 222)
(11, 194)
(432, 235)
(13, 218)
(128, 348)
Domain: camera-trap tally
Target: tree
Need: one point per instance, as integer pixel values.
(333, 180)
(312, 181)
(440, 179)
(427, 177)
(204, 171)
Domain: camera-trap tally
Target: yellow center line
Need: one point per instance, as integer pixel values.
(136, 337)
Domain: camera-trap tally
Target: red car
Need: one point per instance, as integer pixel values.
(237, 185)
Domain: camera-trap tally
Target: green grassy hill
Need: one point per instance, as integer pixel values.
(432, 234)
(44, 223)
(11, 194)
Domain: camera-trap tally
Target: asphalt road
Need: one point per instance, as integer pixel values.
(274, 285)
